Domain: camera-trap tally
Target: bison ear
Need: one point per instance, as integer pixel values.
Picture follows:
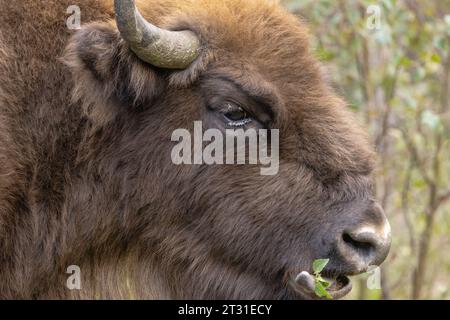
(108, 77)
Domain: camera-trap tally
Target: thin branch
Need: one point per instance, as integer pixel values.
(444, 197)
(405, 206)
(416, 157)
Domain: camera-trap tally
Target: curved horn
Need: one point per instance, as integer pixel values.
(159, 47)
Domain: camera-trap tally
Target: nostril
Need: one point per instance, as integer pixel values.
(367, 243)
(363, 245)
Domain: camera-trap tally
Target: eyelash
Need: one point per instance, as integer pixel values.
(240, 123)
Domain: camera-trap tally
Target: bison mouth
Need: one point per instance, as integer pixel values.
(304, 284)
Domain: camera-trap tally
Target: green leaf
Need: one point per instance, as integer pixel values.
(435, 58)
(405, 62)
(319, 265)
(324, 283)
(419, 183)
(321, 291)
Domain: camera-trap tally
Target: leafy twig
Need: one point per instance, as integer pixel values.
(320, 284)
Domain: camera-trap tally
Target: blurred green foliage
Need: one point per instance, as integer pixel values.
(393, 69)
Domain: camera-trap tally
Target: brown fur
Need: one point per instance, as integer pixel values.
(86, 177)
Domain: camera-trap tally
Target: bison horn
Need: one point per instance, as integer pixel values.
(159, 47)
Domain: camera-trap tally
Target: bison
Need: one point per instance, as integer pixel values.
(86, 177)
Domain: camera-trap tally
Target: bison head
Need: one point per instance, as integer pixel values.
(220, 231)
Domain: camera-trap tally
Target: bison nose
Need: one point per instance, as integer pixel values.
(366, 244)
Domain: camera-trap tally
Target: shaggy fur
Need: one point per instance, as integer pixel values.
(85, 172)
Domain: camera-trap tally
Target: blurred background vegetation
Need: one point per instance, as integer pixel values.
(391, 60)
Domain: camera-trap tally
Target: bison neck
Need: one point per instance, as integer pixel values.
(118, 278)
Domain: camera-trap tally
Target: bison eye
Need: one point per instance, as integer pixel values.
(236, 116)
